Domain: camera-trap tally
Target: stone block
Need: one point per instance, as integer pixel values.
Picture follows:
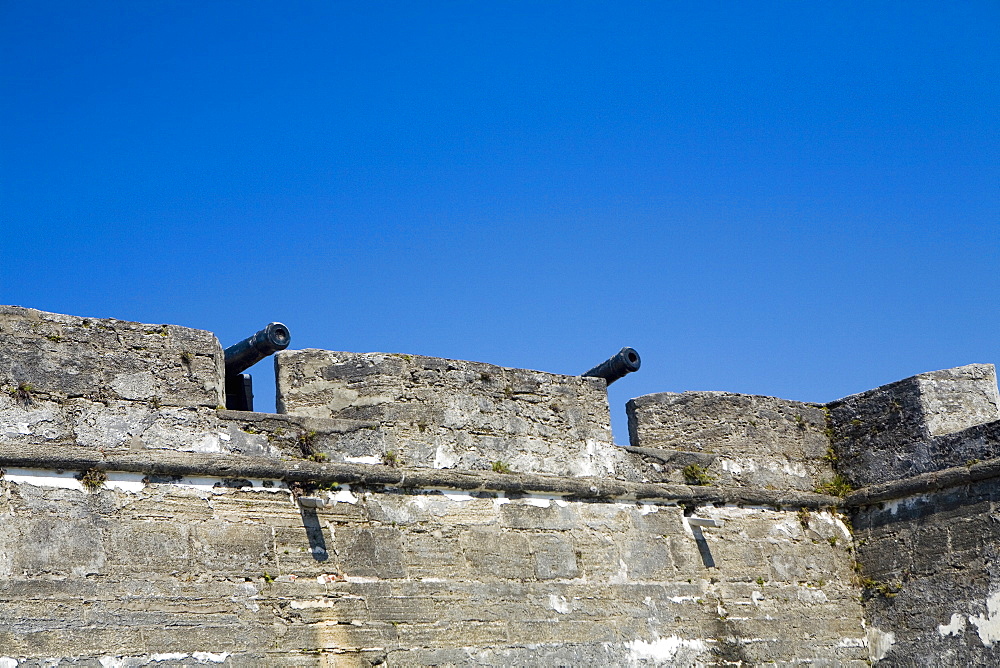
(529, 516)
(58, 546)
(756, 441)
(370, 552)
(49, 355)
(492, 554)
(453, 414)
(148, 545)
(900, 429)
(244, 549)
(429, 554)
(554, 555)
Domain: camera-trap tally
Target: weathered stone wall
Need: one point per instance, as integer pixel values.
(892, 432)
(926, 526)
(454, 414)
(738, 439)
(182, 572)
(107, 383)
(931, 576)
(365, 527)
(105, 360)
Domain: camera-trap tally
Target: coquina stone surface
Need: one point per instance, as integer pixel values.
(751, 440)
(454, 414)
(893, 431)
(930, 576)
(47, 354)
(195, 571)
(140, 524)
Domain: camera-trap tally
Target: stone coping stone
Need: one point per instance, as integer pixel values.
(175, 463)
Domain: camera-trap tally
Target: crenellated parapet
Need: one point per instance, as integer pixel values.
(408, 510)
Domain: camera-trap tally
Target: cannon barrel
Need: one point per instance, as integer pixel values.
(243, 355)
(613, 368)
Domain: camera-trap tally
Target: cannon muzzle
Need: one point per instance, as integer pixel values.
(243, 355)
(613, 368)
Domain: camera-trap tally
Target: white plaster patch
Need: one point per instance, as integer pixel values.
(879, 643)
(208, 443)
(791, 527)
(621, 577)
(457, 496)
(537, 502)
(131, 483)
(444, 458)
(733, 512)
(7, 662)
(344, 495)
(561, 503)
(894, 505)
(261, 485)
(368, 459)
(559, 604)
(682, 599)
(954, 627)
(168, 656)
(837, 522)
(647, 508)
(210, 657)
(731, 466)
(796, 469)
(500, 500)
(43, 478)
(125, 482)
(988, 625)
(756, 597)
(807, 595)
(852, 642)
(202, 484)
(585, 466)
(663, 649)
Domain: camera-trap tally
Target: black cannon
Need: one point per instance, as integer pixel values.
(243, 355)
(613, 368)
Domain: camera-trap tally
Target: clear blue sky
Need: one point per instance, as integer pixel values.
(784, 198)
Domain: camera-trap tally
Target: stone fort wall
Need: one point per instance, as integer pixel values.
(403, 510)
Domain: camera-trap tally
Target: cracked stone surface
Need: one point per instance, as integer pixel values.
(899, 430)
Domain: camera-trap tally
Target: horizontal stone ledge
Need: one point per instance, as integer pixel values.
(173, 463)
(955, 476)
(674, 457)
